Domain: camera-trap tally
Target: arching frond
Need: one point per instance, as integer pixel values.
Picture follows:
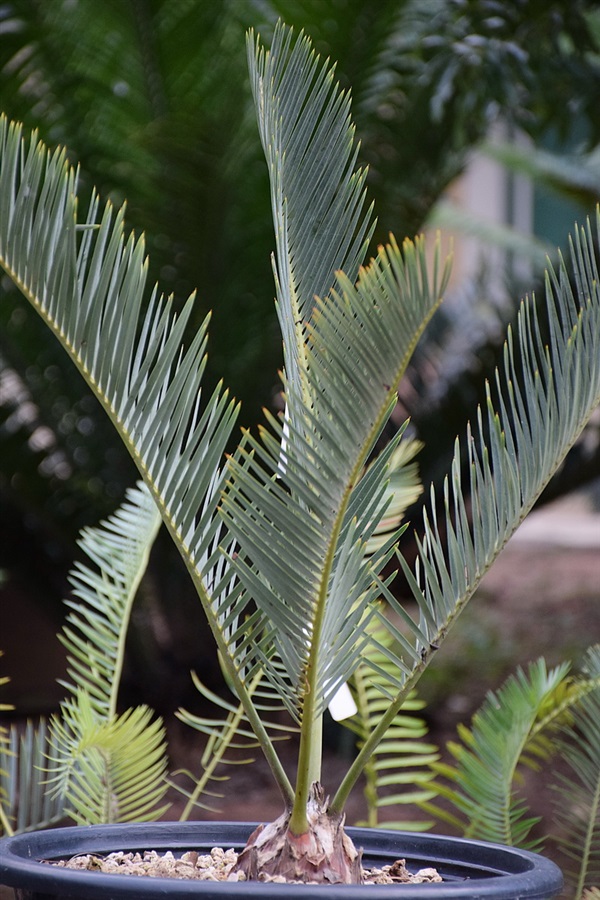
(518, 444)
(490, 752)
(546, 392)
(95, 630)
(516, 726)
(87, 281)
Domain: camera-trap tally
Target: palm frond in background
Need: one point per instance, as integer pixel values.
(517, 726)
(107, 767)
(577, 799)
(96, 628)
(25, 801)
(400, 770)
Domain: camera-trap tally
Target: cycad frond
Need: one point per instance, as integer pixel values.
(95, 630)
(87, 282)
(25, 802)
(305, 525)
(108, 770)
(316, 195)
(403, 759)
(517, 447)
(516, 726)
(92, 748)
(546, 393)
(577, 806)
(231, 733)
(294, 500)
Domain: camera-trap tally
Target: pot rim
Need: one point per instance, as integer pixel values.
(497, 871)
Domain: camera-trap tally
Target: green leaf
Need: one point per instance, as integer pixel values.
(399, 771)
(96, 628)
(316, 195)
(25, 802)
(108, 770)
(545, 394)
(577, 798)
(516, 726)
(87, 281)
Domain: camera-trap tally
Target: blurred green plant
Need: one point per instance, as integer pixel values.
(537, 718)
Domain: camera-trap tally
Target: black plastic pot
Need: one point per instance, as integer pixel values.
(469, 868)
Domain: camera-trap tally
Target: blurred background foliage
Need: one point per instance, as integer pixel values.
(152, 99)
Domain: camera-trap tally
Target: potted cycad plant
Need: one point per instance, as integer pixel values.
(291, 541)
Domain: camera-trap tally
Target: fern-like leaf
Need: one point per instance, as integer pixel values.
(93, 749)
(108, 770)
(577, 801)
(25, 802)
(403, 760)
(516, 726)
(95, 630)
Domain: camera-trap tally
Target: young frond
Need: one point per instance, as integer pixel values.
(316, 511)
(95, 630)
(400, 770)
(108, 770)
(516, 726)
(317, 196)
(577, 799)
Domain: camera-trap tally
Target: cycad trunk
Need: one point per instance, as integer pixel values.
(323, 854)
